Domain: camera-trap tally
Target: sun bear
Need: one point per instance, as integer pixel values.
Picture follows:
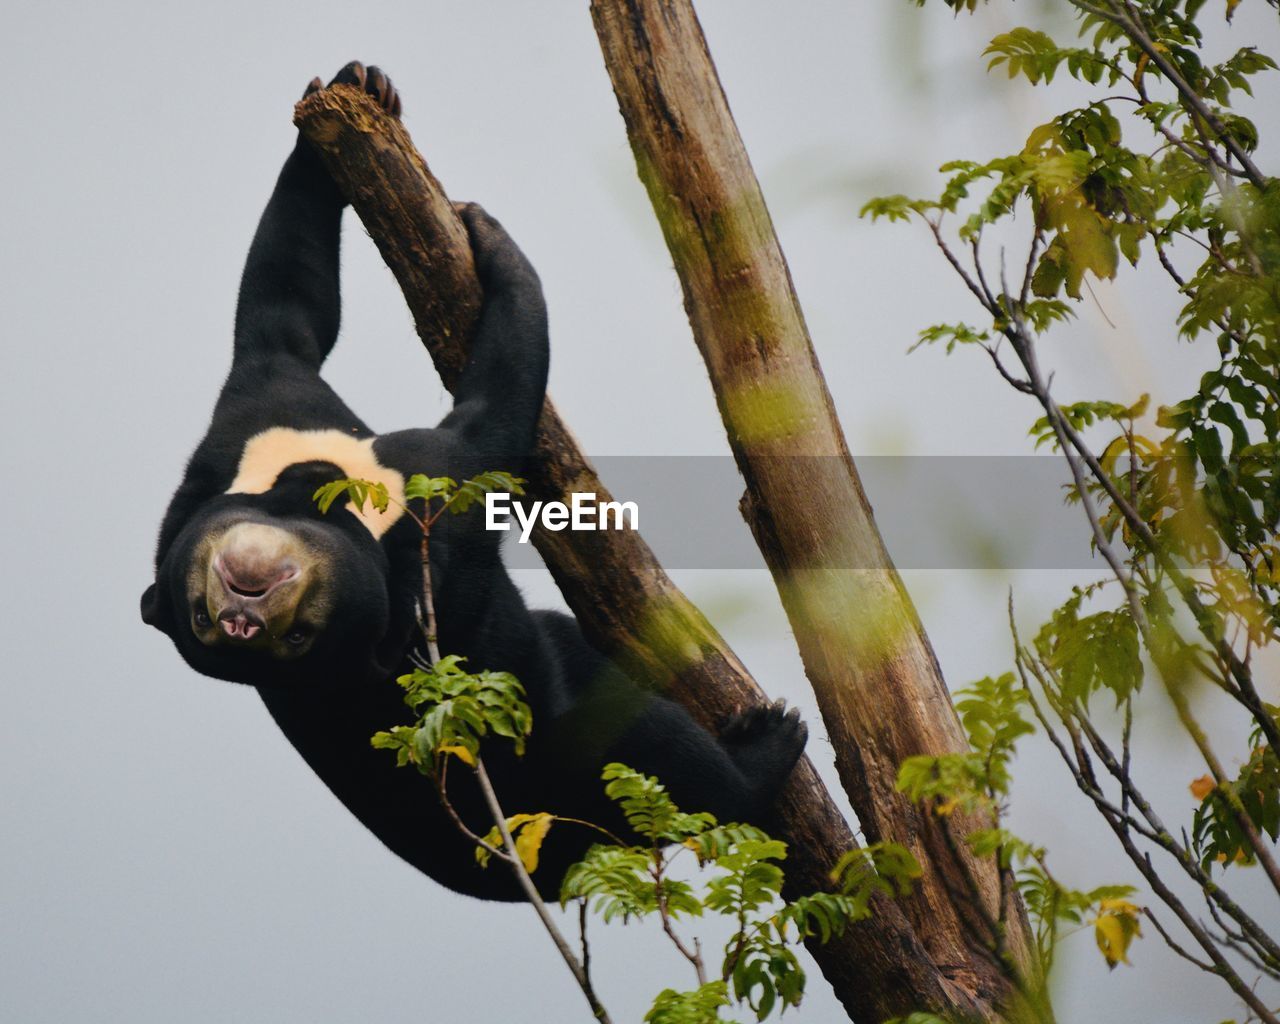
(316, 612)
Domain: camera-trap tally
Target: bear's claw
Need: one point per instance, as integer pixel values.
(373, 80)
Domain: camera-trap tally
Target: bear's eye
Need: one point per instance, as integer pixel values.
(202, 618)
(296, 637)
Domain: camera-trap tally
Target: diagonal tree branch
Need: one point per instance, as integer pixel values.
(612, 581)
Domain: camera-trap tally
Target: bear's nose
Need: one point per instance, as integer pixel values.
(239, 626)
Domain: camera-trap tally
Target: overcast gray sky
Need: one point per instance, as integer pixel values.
(164, 853)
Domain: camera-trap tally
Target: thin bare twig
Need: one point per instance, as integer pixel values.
(1126, 748)
(1222, 967)
(1242, 944)
(694, 956)
(428, 603)
(1025, 294)
(582, 939)
(1168, 941)
(531, 893)
(1014, 382)
(1154, 831)
(958, 266)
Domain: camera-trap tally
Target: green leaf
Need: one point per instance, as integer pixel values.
(991, 713)
(763, 974)
(951, 782)
(473, 490)
(952, 334)
(429, 487)
(885, 868)
(615, 880)
(1216, 834)
(822, 915)
(1003, 845)
(400, 741)
(648, 808)
(701, 1006)
(720, 840)
(1027, 52)
(456, 709)
(357, 492)
(1092, 652)
(893, 208)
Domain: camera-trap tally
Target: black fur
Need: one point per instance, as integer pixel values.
(333, 698)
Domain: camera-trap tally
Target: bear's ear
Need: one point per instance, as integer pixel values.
(151, 612)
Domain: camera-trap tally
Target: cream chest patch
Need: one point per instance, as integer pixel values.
(268, 454)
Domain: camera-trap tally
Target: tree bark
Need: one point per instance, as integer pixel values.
(625, 601)
(876, 678)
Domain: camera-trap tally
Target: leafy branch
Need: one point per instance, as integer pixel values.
(758, 966)
(1186, 520)
(455, 708)
(451, 497)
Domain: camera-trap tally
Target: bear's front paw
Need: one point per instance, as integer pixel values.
(373, 80)
(498, 259)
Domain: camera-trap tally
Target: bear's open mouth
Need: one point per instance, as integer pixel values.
(251, 584)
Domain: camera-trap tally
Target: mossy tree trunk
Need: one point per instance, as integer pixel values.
(876, 678)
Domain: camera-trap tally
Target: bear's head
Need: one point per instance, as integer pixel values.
(255, 593)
